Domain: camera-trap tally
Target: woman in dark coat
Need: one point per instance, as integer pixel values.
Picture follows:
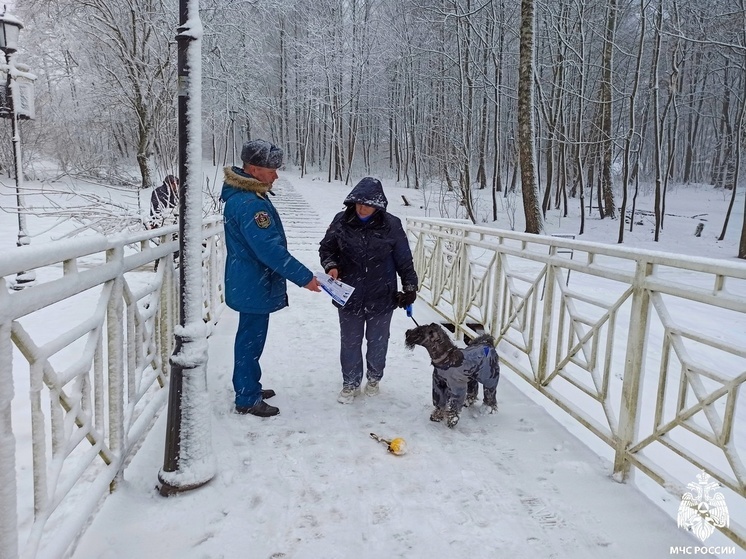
(367, 248)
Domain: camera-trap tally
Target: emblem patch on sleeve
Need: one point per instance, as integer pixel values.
(262, 219)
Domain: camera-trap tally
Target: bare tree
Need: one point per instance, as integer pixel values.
(657, 138)
(125, 51)
(432, 92)
(606, 112)
(526, 134)
(739, 147)
(632, 134)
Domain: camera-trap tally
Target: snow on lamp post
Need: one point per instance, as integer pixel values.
(188, 460)
(10, 28)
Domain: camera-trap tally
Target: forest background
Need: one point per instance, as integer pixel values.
(580, 102)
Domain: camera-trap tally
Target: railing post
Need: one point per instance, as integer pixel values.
(496, 302)
(115, 360)
(461, 287)
(629, 415)
(419, 249)
(214, 268)
(546, 321)
(167, 313)
(8, 489)
(206, 285)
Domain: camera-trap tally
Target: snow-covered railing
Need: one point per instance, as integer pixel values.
(84, 372)
(647, 350)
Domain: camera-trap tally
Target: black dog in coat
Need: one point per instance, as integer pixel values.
(457, 372)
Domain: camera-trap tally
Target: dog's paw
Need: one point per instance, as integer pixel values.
(487, 409)
(437, 415)
(452, 420)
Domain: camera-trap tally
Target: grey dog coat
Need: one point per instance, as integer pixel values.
(481, 364)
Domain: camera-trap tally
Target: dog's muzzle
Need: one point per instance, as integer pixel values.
(412, 338)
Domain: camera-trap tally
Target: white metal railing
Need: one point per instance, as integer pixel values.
(646, 350)
(87, 347)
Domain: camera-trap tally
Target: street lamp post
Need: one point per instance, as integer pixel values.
(188, 461)
(232, 115)
(10, 28)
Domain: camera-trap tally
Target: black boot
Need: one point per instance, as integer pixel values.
(262, 409)
(268, 393)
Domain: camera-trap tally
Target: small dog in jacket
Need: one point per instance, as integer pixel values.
(457, 372)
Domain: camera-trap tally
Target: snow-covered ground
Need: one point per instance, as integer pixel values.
(311, 483)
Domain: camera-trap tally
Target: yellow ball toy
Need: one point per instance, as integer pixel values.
(398, 446)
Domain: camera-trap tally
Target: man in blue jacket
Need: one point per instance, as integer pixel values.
(257, 266)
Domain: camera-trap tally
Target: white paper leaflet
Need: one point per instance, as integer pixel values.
(336, 289)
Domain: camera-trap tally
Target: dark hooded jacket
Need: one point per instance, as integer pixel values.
(162, 201)
(368, 255)
(257, 262)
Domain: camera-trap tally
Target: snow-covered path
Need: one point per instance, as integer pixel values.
(312, 484)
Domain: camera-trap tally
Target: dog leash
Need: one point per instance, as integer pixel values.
(410, 314)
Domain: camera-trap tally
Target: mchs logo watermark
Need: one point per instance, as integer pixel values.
(702, 509)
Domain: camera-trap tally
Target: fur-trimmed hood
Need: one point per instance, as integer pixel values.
(237, 180)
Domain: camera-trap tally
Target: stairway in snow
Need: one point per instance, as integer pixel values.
(304, 227)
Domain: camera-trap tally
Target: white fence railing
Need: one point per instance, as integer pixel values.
(83, 373)
(646, 350)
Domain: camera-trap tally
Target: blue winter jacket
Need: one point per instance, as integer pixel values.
(258, 261)
(369, 254)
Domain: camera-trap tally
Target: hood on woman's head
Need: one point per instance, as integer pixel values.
(368, 191)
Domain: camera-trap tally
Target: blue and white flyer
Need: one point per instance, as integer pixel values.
(336, 289)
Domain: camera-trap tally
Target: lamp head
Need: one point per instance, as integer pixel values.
(10, 28)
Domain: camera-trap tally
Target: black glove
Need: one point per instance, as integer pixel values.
(405, 298)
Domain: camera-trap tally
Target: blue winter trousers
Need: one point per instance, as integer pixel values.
(375, 328)
(250, 339)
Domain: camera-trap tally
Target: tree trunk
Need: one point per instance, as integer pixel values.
(631, 126)
(656, 122)
(529, 186)
(606, 109)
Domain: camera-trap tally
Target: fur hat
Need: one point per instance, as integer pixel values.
(262, 154)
